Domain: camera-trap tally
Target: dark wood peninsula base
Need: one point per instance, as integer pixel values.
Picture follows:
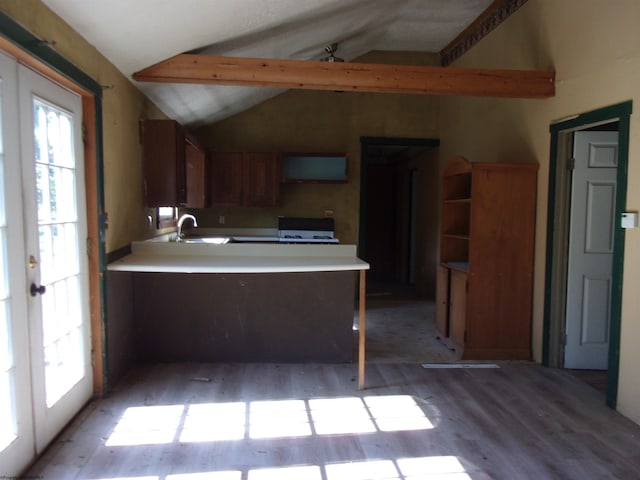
(244, 317)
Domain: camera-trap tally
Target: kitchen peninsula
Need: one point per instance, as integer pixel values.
(243, 302)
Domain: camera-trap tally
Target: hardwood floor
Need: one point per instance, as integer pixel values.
(291, 421)
(402, 329)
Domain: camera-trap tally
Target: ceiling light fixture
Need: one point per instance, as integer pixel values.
(331, 49)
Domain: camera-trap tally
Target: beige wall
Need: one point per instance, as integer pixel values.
(123, 105)
(594, 46)
(309, 121)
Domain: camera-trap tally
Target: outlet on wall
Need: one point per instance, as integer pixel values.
(221, 219)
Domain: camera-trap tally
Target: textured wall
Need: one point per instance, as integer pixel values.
(123, 106)
(594, 47)
(309, 121)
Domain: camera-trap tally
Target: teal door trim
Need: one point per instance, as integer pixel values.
(620, 112)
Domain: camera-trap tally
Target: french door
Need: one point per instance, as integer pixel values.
(44, 326)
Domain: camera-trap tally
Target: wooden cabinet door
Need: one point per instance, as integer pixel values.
(196, 166)
(226, 178)
(442, 300)
(261, 179)
(458, 306)
(164, 163)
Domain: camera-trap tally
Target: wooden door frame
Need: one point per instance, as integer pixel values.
(557, 235)
(37, 54)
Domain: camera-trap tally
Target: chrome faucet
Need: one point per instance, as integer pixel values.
(181, 221)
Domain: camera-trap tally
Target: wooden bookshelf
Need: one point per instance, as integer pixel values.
(485, 276)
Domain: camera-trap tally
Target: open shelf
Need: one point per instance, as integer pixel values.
(462, 266)
(460, 236)
(484, 278)
(454, 248)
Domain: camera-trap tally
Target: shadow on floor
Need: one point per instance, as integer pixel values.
(400, 327)
(595, 378)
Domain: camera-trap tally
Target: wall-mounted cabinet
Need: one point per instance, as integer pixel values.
(485, 276)
(247, 179)
(314, 168)
(196, 166)
(174, 165)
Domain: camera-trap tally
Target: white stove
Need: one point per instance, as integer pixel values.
(306, 230)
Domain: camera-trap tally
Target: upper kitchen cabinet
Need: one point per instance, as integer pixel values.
(226, 178)
(314, 168)
(196, 165)
(174, 166)
(261, 179)
(244, 179)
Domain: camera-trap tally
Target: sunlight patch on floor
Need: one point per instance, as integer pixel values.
(421, 468)
(289, 418)
(208, 422)
(305, 472)
(279, 418)
(334, 416)
(149, 425)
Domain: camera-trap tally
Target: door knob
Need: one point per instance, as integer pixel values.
(37, 289)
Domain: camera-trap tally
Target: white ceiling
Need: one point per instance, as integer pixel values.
(134, 34)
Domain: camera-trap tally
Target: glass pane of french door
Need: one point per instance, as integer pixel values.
(59, 253)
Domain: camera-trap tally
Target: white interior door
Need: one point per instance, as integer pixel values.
(47, 365)
(593, 195)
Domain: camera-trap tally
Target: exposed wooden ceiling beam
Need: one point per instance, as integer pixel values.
(355, 77)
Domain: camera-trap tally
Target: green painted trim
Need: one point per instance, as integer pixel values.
(102, 222)
(611, 112)
(621, 112)
(618, 262)
(43, 52)
(551, 207)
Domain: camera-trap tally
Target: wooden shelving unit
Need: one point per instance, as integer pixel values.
(485, 275)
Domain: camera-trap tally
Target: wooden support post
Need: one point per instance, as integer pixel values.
(362, 328)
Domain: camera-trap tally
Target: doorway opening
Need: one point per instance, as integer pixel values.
(582, 308)
(399, 211)
(398, 214)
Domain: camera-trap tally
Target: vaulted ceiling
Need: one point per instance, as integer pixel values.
(136, 34)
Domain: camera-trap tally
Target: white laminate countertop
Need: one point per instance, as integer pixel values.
(173, 257)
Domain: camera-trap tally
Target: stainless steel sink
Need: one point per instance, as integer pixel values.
(211, 240)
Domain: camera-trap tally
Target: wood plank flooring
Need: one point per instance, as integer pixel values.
(520, 421)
